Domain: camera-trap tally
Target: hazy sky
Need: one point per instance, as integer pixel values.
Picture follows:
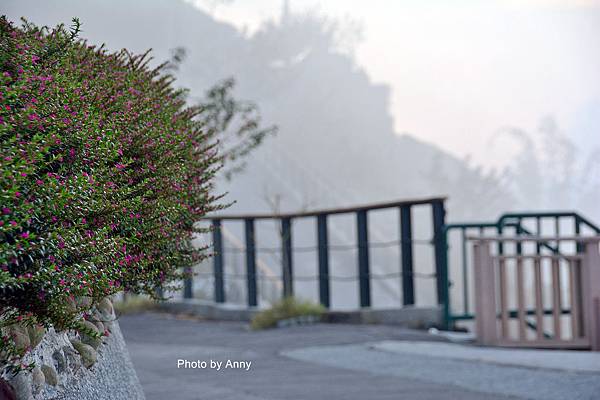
(462, 70)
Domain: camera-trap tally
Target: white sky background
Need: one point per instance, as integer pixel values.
(462, 70)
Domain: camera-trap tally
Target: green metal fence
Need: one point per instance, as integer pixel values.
(459, 268)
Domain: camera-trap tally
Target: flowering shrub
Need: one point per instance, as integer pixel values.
(103, 172)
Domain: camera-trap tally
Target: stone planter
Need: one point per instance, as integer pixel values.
(76, 367)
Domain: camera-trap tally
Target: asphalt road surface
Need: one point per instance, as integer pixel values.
(324, 361)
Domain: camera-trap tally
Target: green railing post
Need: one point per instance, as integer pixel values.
(406, 251)
(364, 275)
(323, 244)
(250, 263)
(286, 257)
(441, 257)
(218, 261)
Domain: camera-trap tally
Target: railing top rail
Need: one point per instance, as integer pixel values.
(472, 225)
(343, 210)
(540, 214)
(506, 220)
(534, 238)
(550, 214)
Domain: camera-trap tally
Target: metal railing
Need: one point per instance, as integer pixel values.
(560, 291)
(323, 248)
(460, 285)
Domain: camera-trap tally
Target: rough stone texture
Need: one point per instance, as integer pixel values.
(38, 380)
(87, 353)
(73, 359)
(111, 378)
(22, 386)
(92, 341)
(50, 375)
(100, 326)
(60, 361)
(59, 375)
(20, 335)
(106, 308)
(36, 334)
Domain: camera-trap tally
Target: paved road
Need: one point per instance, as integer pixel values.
(157, 341)
(313, 362)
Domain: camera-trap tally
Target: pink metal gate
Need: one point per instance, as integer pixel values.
(537, 292)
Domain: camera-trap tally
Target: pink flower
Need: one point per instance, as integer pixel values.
(25, 235)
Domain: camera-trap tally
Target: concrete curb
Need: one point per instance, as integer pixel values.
(410, 317)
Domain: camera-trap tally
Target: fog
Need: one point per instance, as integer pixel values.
(510, 123)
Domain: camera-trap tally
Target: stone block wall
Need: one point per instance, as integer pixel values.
(75, 366)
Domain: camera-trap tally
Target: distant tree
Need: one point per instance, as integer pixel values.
(234, 123)
(473, 193)
(548, 173)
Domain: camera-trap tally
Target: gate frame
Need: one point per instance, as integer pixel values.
(486, 319)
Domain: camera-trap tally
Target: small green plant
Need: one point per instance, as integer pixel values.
(286, 308)
(135, 304)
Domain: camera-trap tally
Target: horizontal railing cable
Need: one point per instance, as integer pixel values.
(332, 247)
(316, 277)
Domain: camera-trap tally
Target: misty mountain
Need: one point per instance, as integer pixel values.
(336, 144)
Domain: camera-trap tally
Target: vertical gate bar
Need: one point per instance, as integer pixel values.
(556, 303)
(557, 233)
(578, 233)
(539, 299)
(250, 262)
(521, 299)
(218, 261)
(591, 293)
(286, 253)
(363, 259)
(464, 271)
(579, 291)
(503, 297)
(323, 241)
(573, 292)
(538, 232)
(441, 253)
(519, 233)
(485, 293)
(188, 283)
(408, 280)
